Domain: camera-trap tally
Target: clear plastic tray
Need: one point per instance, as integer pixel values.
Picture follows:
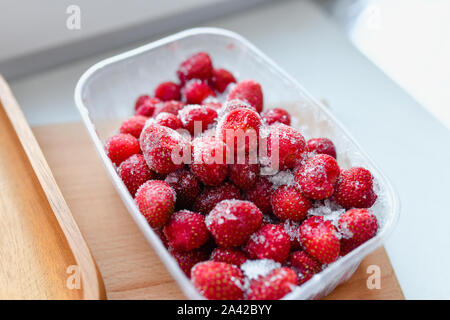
(106, 92)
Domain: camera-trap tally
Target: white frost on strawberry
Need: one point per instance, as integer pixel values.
(254, 269)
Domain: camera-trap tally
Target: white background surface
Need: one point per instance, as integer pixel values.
(412, 46)
(407, 143)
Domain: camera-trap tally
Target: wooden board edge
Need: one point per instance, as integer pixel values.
(92, 281)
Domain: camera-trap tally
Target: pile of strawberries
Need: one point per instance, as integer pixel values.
(216, 217)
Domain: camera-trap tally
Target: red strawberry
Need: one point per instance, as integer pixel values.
(306, 265)
(133, 126)
(209, 160)
(289, 203)
(320, 239)
(195, 91)
(231, 222)
(229, 255)
(218, 280)
(269, 242)
(230, 105)
(140, 100)
(317, 176)
(260, 195)
(197, 118)
(249, 91)
(163, 148)
(187, 259)
(168, 120)
(186, 186)
(198, 66)
(354, 189)
(357, 226)
(186, 230)
(274, 286)
(171, 106)
(322, 145)
(239, 129)
(134, 172)
(244, 175)
(168, 91)
(221, 78)
(285, 147)
(210, 196)
(147, 107)
(156, 202)
(121, 146)
(276, 115)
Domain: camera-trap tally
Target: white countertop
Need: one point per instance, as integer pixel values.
(406, 141)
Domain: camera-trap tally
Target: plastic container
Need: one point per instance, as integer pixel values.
(105, 95)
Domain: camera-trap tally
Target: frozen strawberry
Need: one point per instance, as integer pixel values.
(249, 91)
(289, 203)
(304, 264)
(322, 145)
(156, 202)
(147, 107)
(163, 148)
(195, 91)
(276, 115)
(218, 280)
(133, 126)
(171, 106)
(220, 79)
(260, 195)
(354, 188)
(229, 255)
(185, 185)
(187, 259)
(317, 176)
(239, 129)
(319, 238)
(356, 226)
(244, 175)
(121, 146)
(198, 66)
(329, 165)
(168, 91)
(140, 100)
(168, 120)
(209, 160)
(231, 222)
(230, 105)
(269, 242)
(186, 230)
(197, 118)
(274, 286)
(210, 196)
(134, 172)
(285, 147)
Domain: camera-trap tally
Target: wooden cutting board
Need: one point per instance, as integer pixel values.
(42, 252)
(130, 267)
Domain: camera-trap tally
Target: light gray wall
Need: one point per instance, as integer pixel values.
(34, 35)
